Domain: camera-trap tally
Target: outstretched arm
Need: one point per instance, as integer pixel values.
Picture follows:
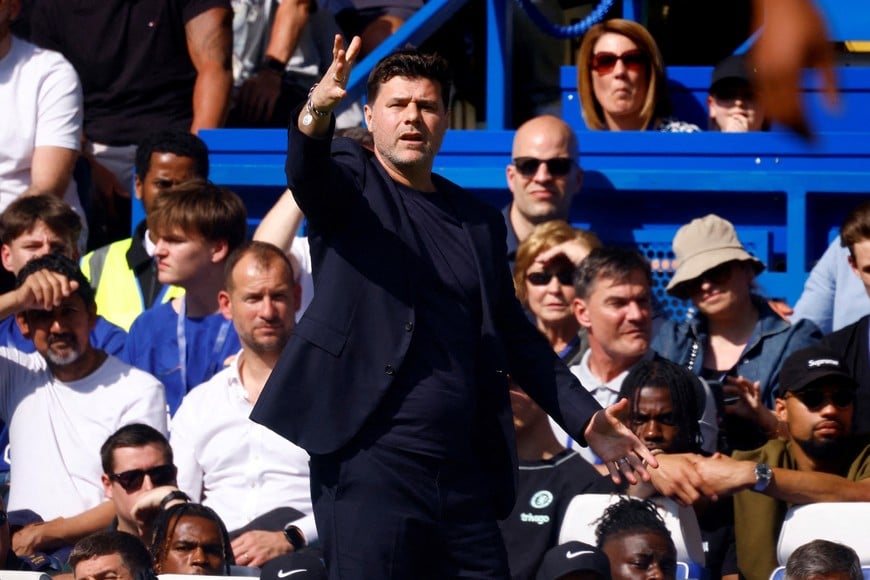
(620, 449)
(209, 42)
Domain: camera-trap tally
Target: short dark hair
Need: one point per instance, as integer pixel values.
(200, 207)
(609, 262)
(132, 435)
(856, 226)
(133, 552)
(821, 557)
(23, 213)
(687, 397)
(630, 515)
(263, 253)
(411, 63)
(166, 521)
(57, 262)
(179, 143)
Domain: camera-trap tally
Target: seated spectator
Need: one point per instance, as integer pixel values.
(186, 341)
(574, 561)
(852, 341)
(251, 476)
(115, 555)
(544, 283)
(41, 90)
(190, 538)
(823, 560)
(622, 82)
(736, 339)
(124, 273)
(820, 460)
(139, 78)
(62, 402)
(136, 459)
(666, 411)
(549, 477)
(613, 304)
(833, 295)
(636, 541)
(34, 226)
(543, 177)
(731, 99)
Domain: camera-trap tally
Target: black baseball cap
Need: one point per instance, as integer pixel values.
(573, 557)
(730, 69)
(805, 367)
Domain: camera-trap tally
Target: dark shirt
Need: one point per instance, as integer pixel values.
(430, 408)
(545, 489)
(132, 59)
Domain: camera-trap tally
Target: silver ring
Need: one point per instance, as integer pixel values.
(622, 460)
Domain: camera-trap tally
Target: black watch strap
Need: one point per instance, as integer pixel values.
(273, 64)
(294, 536)
(173, 495)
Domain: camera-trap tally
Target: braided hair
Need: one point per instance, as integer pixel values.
(167, 520)
(630, 515)
(687, 398)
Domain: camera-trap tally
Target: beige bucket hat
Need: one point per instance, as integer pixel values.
(705, 243)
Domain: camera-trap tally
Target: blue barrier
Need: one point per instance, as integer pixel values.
(783, 195)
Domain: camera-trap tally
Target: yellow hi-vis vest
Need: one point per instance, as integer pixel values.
(119, 296)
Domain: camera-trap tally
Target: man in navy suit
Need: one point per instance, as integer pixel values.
(395, 380)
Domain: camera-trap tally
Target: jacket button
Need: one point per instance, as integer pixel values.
(388, 369)
(409, 326)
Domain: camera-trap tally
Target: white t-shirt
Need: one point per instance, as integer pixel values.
(56, 429)
(42, 106)
(237, 467)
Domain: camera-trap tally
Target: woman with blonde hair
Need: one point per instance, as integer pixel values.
(544, 282)
(622, 81)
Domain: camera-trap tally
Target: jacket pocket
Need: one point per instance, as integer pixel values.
(321, 335)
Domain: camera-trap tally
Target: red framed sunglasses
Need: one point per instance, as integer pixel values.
(604, 62)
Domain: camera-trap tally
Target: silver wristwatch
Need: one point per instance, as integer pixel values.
(763, 475)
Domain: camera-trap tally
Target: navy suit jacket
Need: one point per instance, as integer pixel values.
(346, 350)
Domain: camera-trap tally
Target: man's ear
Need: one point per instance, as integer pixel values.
(6, 257)
(780, 410)
(23, 326)
(851, 259)
(711, 107)
(581, 312)
(220, 249)
(225, 304)
(92, 316)
(137, 186)
(107, 486)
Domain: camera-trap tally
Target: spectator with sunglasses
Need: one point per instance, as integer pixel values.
(821, 459)
(735, 341)
(731, 99)
(136, 458)
(546, 287)
(622, 82)
(543, 177)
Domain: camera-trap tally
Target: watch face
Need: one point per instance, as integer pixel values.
(307, 119)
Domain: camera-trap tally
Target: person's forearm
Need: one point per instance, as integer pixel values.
(801, 487)
(290, 19)
(280, 225)
(70, 530)
(209, 43)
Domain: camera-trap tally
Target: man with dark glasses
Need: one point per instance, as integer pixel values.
(136, 458)
(543, 177)
(821, 461)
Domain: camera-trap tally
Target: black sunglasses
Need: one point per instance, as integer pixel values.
(815, 399)
(565, 277)
(717, 276)
(604, 62)
(132, 480)
(557, 166)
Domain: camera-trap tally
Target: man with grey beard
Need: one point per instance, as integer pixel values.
(62, 402)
